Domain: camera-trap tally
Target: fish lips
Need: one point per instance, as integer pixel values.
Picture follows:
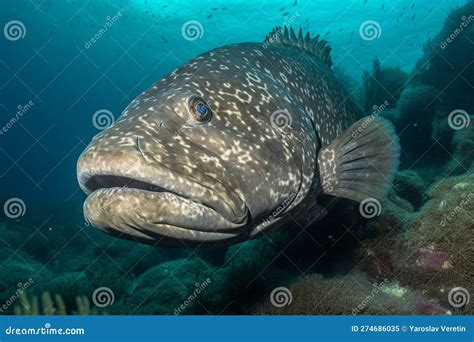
(147, 215)
(178, 209)
(138, 195)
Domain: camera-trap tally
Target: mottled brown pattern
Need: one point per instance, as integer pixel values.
(240, 165)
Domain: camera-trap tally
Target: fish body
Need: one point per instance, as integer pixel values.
(235, 142)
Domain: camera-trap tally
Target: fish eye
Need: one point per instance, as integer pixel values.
(199, 109)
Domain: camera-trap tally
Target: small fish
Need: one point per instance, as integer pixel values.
(209, 16)
(238, 141)
(382, 6)
(413, 17)
(295, 3)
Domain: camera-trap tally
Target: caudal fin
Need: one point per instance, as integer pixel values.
(362, 162)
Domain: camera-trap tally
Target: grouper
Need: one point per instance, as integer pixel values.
(236, 142)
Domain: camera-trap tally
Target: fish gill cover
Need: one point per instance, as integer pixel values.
(69, 69)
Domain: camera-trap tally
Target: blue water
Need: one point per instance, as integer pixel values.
(65, 78)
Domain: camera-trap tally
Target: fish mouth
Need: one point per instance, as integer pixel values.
(160, 206)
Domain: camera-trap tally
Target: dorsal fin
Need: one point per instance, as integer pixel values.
(284, 36)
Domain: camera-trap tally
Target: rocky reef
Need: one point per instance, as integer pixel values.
(349, 295)
(438, 246)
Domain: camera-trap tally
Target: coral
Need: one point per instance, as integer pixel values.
(441, 82)
(413, 103)
(446, 65)
(244, 277)
(353, 294)
(394, 212)
(410, 186)
(381, 85)
(382, 238)
(441, 132)
(139, 258)
(163, 288)
(462, 159)
(349, 83)
(47, 306)
(266, 246)
(17, 268)
(417, 108)
(68, 284)
(438, 245)
(392, 114)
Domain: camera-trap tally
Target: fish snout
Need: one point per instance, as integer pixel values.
(134, 183)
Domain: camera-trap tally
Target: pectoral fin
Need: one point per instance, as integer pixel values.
(362, 162)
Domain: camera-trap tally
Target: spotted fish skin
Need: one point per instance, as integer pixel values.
(158, 176)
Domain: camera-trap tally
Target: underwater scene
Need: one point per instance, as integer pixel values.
(281, 157)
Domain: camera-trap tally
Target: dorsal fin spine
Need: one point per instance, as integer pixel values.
(292, 35)
(316, 46)
(300, 39)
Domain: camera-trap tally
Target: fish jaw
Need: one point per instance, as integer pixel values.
(157, 218)
(137, 198)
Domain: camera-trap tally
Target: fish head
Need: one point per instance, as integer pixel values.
(195, 159)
